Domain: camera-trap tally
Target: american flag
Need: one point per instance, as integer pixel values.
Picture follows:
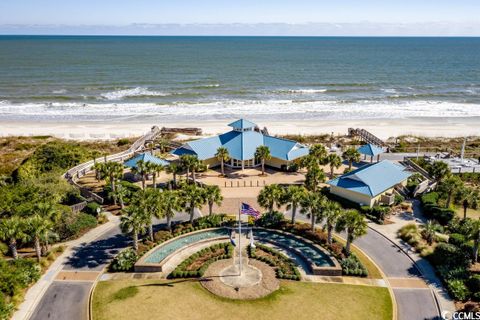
(249, 210)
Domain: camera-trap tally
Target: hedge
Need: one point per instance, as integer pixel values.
(181, 270)
(284, 266)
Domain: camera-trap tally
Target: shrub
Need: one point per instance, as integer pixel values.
(81, 223)
(162, 235)
(456, 239)
(473, 283)
(353, 266)
(458, 290)
(430, 198)
(91, 208)
(270, 219)
(123, 142)
(398, 199)
(449, 255)
(124, 261)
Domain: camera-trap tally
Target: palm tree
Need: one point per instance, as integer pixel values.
(354, 224)
(162, 144)
(37, 226)
(120, 193)
(334, 161)
(312, 206)
(113, 171)
(319, 152)
(429, 231)
(174, 168)
(223, 156)
(263, 153)
(47, 210)
(188, 161)
(439, 170)
(197, 166)
(331, 213)
(294, 195)
(468, 197)
(142, 168)
(475, 236)
(133, 221)
(309, 161)
(155, 169)
(450, 185)
(95, 154)
(270, 196)
(192, 197)
(314, 177)
(171, 204)
(12, 230)
(213, 195)
(351, 155)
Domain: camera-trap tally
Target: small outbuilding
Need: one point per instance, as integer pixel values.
(371, 184)
(145, 157)
(371, 150)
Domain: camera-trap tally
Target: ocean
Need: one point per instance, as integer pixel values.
(79, 78)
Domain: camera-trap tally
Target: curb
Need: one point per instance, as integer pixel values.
(434, 294)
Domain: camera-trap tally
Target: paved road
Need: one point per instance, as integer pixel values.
(412, 303)
(68, 300)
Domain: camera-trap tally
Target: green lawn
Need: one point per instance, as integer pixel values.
(184, 299)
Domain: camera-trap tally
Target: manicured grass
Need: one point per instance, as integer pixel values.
(186, 299)
(373, 271)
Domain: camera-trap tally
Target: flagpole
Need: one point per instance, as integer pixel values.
(240, 239)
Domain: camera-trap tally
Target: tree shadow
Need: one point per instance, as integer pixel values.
(96, 254)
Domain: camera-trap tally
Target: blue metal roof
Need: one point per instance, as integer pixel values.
(146, 157)
(370, 150)
(372, 179)
(241, 145)
(242, 124)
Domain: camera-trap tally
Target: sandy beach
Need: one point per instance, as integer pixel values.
(383, 128)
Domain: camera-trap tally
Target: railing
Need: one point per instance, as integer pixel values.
(244, 184)
(84, 168)
(366, 136)
(79, 206)
(417, 168)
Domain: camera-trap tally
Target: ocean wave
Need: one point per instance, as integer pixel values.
(307, 91)
(273, 109)
(206, 86)
(132, 92)
(60, 91)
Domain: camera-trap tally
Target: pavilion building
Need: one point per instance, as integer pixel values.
(371, 184)
(371, 151)
(242, 142)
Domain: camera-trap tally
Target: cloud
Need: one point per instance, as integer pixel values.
(258, 29)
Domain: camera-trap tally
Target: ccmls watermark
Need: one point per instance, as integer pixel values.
(461, 315)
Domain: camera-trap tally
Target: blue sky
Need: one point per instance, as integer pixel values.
(463, 14)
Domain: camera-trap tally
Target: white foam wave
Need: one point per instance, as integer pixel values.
(389, 90)
(273, 109)
(60, 91)
(307, 91)
(133, 92)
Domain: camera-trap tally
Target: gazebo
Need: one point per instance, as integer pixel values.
(145, 157)
(370, 150)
